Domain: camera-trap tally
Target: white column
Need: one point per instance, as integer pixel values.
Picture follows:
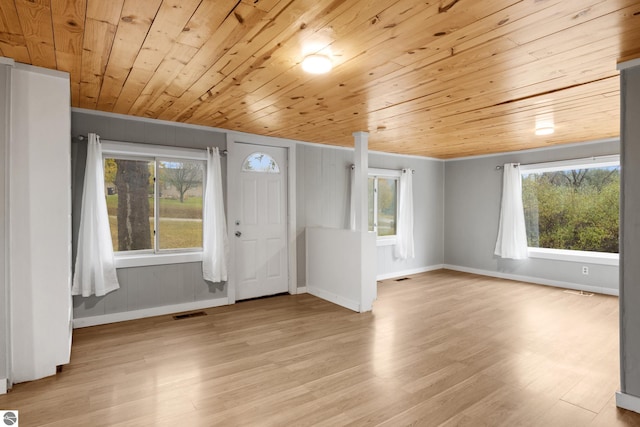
(368, 254)
(629, 395)
(5, 107)
(361, 161)
(40, 216)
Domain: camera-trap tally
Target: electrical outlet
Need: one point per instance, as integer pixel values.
(585, 269)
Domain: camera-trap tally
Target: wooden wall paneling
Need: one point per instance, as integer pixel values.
(68, 31)
(402, 68)
(135, 22)
(12, 41)
(167, 25)
(187, 98)
(237, 22)
(572, 15)
(107, 11)
(37, 28)
(205, 21)
(457, 111)
(531, 107)
(201, 27)
(298, 76)
(257, 81)
(482, 85)
(241, 20)
(169, 68)
(601, 33)
(265, 5)
(98, 39)
(420, 19)
(413, 53)
(100, 27)
(422, 64)
(271, 84)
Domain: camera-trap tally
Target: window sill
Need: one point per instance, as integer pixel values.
(386, 241)
(575, 256)
(126, 261)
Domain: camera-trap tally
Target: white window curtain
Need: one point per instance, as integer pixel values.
(95, 271)
(512, 234)
(404, 248)
(352, 199)
(215, 246)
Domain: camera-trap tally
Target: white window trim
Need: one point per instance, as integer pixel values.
(590, 162)
(602, 258)
(385, 173)
(140, 260)
(149, 150)
(386, 240)
(153, 152)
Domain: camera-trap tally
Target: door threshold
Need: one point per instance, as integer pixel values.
(263, 297)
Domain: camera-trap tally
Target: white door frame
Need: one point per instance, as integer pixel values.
(233, 190)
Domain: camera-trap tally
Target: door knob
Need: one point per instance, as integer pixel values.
(238, 234)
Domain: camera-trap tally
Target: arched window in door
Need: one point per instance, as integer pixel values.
(260, 162)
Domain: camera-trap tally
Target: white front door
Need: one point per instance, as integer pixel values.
(260, 228)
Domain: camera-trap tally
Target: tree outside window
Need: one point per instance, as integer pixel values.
(573, 209)
(132, 197)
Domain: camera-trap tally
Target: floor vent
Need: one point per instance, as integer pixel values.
(189, 315)
(581, 293)
(402, 279)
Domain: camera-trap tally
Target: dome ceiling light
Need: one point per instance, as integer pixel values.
(544, 130)
(317, 64)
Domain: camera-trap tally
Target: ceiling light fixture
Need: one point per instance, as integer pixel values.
(317, 64)
(544, 130)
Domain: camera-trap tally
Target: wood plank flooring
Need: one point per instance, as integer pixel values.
(444, 348)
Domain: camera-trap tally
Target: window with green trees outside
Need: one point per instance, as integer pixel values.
(383, 206)
(572, 208)
(154, 204)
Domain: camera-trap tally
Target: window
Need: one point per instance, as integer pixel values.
(573, 205)
(260, 162)
(154, 200)
(383, 202)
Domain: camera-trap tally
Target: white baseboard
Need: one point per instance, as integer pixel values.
(334, 298)
(3, 385)
(301, 290)
(408, 272)
(535, 280)
(627, 401)
(84, 322)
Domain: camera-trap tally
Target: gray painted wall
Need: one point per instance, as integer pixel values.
(5, 91)
(428, 206)
(323, 200)
(456, 207)
(149, 286)
(630, 247)
(473, 189)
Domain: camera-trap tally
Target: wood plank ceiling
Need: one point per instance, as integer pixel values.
(444, 78)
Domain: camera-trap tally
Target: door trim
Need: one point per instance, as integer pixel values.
(234, 138)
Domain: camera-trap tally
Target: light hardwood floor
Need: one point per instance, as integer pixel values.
(443, 348)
